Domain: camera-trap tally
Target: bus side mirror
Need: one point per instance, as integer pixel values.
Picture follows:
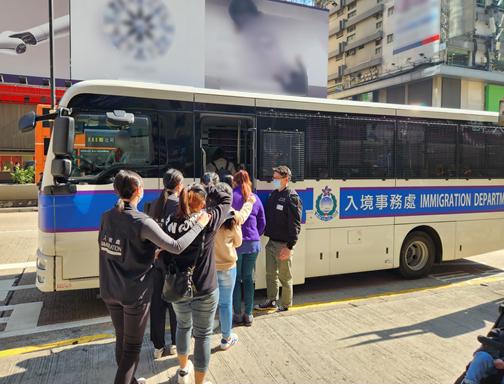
(27, 122)
(63, 136)
(61, 168)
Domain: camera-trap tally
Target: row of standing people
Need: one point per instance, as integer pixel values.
(193, 226)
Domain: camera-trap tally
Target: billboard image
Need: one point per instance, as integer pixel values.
(24, 37)
(156, 40)
(258, 45)
(246, 45)
(417, 29)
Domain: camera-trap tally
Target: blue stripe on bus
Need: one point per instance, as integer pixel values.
(82, 211)
(376, 202)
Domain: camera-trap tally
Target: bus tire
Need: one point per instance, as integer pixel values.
(417, 255)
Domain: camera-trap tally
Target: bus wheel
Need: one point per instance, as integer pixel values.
(417, 255)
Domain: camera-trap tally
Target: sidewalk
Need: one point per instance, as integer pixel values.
(421, 337)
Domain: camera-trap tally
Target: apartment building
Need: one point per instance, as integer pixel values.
(465, 70)
(357, 41)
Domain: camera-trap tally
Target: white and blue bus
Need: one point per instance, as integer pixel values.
(383, 186)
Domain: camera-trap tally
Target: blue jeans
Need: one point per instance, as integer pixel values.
(227, 281)
(196, 315)
(481, 367)
(245, 278)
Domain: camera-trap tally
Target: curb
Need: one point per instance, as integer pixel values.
(18, 209)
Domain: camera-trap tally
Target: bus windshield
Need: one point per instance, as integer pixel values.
(100, 145)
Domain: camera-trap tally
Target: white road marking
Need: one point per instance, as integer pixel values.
(24, 316)
(467, 276)
(22, 287)
(17, 231)
(5, 285)
(55, 327)
(20, 265)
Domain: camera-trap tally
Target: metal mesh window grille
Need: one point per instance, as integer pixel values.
(282, 148)
(426, 150)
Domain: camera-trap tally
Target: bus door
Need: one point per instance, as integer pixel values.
(229, 137)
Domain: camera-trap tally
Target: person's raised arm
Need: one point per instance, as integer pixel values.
(222, 205)
(242, 215)
(152, 232)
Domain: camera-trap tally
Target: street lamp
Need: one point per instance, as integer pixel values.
(51, 54)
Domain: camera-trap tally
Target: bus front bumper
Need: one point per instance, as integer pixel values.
(45, 272)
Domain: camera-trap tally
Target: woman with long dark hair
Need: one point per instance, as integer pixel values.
(127, 242)
(252, 230)
(195, 315)
(160, 210)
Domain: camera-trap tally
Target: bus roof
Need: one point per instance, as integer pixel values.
(205, 95)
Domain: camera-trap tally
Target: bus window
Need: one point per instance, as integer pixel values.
(495, 155)
(176, 143)
(319, 143)
(282, 141)
(472, 152)
(364, 148)
(99, 145)
(426, 150)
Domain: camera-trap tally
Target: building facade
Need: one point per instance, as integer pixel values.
(461, 69)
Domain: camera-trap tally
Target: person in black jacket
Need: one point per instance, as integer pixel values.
(127, 242)
(159, 210)
(283, 224)
(197, 314)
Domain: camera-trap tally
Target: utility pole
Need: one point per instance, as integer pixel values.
(51, 55)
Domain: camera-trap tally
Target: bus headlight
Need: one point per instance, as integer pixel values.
(41, 261)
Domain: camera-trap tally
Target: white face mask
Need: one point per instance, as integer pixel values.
(277, 184)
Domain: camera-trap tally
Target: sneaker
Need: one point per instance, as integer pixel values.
(248, 319)
(237, 319)
(282, 309)
(184, 376)
(141, 380)
(268, 305)
(158, 353)
(165, 351)
(226, 343)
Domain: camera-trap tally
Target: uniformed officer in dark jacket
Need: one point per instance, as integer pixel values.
(159, 210)
(127, 242)
(283, 224)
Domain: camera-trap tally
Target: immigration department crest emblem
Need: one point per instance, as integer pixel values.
(326, 206)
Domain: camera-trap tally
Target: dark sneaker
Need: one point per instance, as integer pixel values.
(268, 305)
(237, 319)
(248, 319)
(282, 309)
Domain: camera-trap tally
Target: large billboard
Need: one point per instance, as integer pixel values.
(417, 30)
(153, 40)
(266, 46)
(24, 37)
(249, 45)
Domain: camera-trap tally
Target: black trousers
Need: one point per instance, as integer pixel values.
(129, 323)
(158, 313)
